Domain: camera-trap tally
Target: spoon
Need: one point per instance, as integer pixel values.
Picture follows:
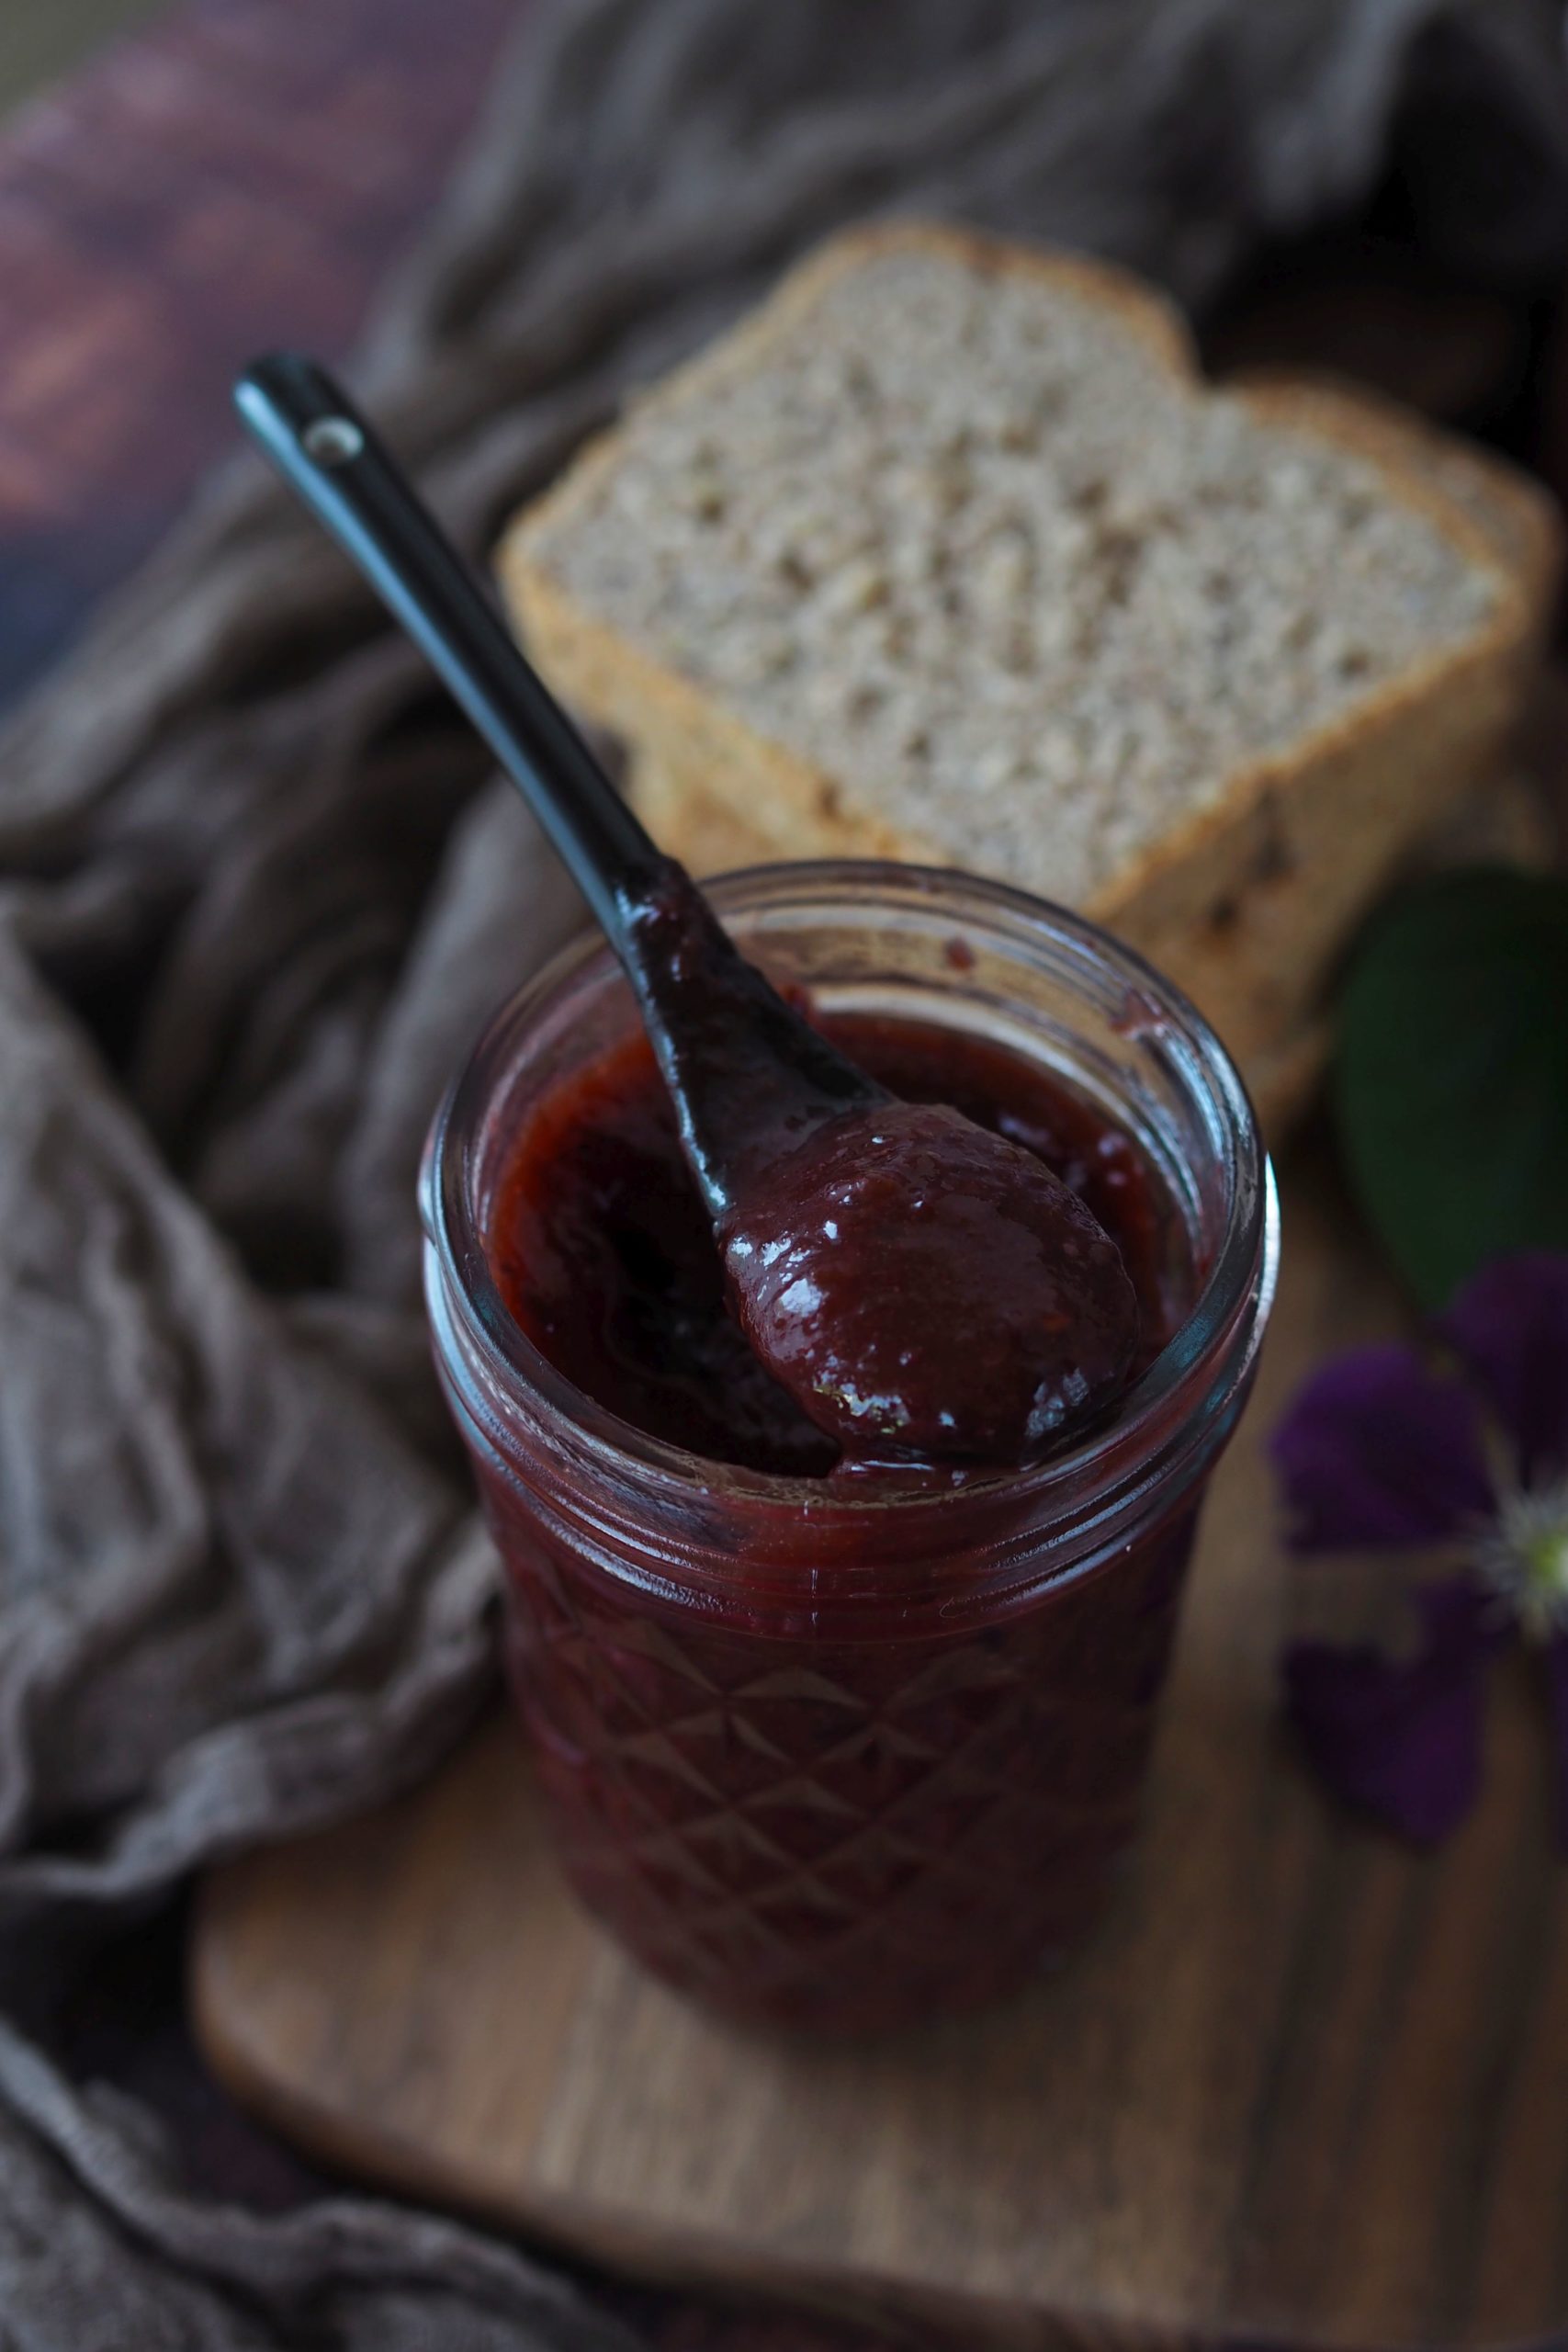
(921, 1286)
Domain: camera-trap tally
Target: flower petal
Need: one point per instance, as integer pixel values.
(1509, 1322)
(1557, 1690)
(1377, 1448)
(1402, 1738)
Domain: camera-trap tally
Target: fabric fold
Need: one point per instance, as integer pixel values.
(235, 1601)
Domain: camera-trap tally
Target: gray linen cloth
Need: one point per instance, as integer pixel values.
(257, 890)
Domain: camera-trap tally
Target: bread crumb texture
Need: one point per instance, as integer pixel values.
(960, 538)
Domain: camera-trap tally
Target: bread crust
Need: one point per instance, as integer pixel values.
(1247, 901)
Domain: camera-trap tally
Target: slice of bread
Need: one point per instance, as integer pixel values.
(948, 554)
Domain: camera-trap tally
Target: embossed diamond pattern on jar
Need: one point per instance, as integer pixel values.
(743, 1817)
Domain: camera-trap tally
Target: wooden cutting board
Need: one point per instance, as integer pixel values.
(1302, 2086)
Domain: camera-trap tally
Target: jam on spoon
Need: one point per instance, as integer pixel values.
(602, 1249)
(915, 1281)
(923, 1287)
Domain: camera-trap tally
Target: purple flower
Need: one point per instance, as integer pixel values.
(1462, 1447)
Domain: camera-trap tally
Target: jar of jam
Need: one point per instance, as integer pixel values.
(828, 1746)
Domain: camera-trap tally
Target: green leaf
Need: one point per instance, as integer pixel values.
(1451, 1075)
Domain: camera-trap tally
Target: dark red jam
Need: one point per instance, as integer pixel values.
(606, 1255)
(856, 1773)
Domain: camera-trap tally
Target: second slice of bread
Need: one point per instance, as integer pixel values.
(948, 554)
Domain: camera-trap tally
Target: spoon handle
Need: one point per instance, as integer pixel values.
(744, 1069)
(332, 459)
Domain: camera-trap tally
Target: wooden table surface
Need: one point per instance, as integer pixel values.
(41, 40)
(240, 173)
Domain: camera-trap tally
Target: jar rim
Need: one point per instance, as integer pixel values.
(1244, 1266)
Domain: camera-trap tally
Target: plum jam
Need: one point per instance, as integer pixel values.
(604, 1254)
(838, 1745)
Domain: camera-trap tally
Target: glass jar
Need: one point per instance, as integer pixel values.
(820, 1755)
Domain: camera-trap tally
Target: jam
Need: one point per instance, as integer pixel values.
(840, 1823)
(605, 1256)
(924, 1288)
(838, 1743)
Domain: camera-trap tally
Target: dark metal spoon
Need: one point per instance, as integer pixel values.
(937, 1212)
